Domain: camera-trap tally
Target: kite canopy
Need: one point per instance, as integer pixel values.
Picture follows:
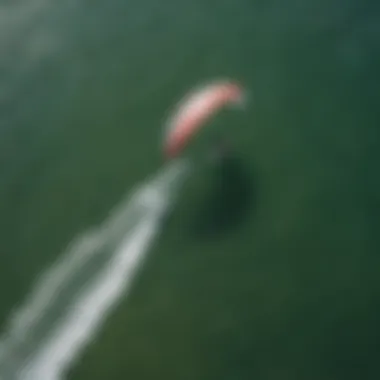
(195, 110)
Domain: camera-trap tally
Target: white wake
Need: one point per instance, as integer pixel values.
(72, 299)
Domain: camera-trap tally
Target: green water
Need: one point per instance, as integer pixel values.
(268, 268)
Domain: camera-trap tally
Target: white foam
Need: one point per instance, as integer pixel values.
(130, 232)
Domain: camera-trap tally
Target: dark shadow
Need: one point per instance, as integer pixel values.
(230, 198)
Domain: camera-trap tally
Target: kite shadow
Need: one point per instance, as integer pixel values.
(230, 199)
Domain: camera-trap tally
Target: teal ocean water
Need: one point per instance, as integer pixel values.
(267, 266)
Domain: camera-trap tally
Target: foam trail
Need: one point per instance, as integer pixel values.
(66, 327)
(52, 281)
(91, 308)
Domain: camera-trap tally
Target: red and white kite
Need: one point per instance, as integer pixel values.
(195, 110)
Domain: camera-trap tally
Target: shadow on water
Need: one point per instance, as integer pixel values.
(230, 198)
